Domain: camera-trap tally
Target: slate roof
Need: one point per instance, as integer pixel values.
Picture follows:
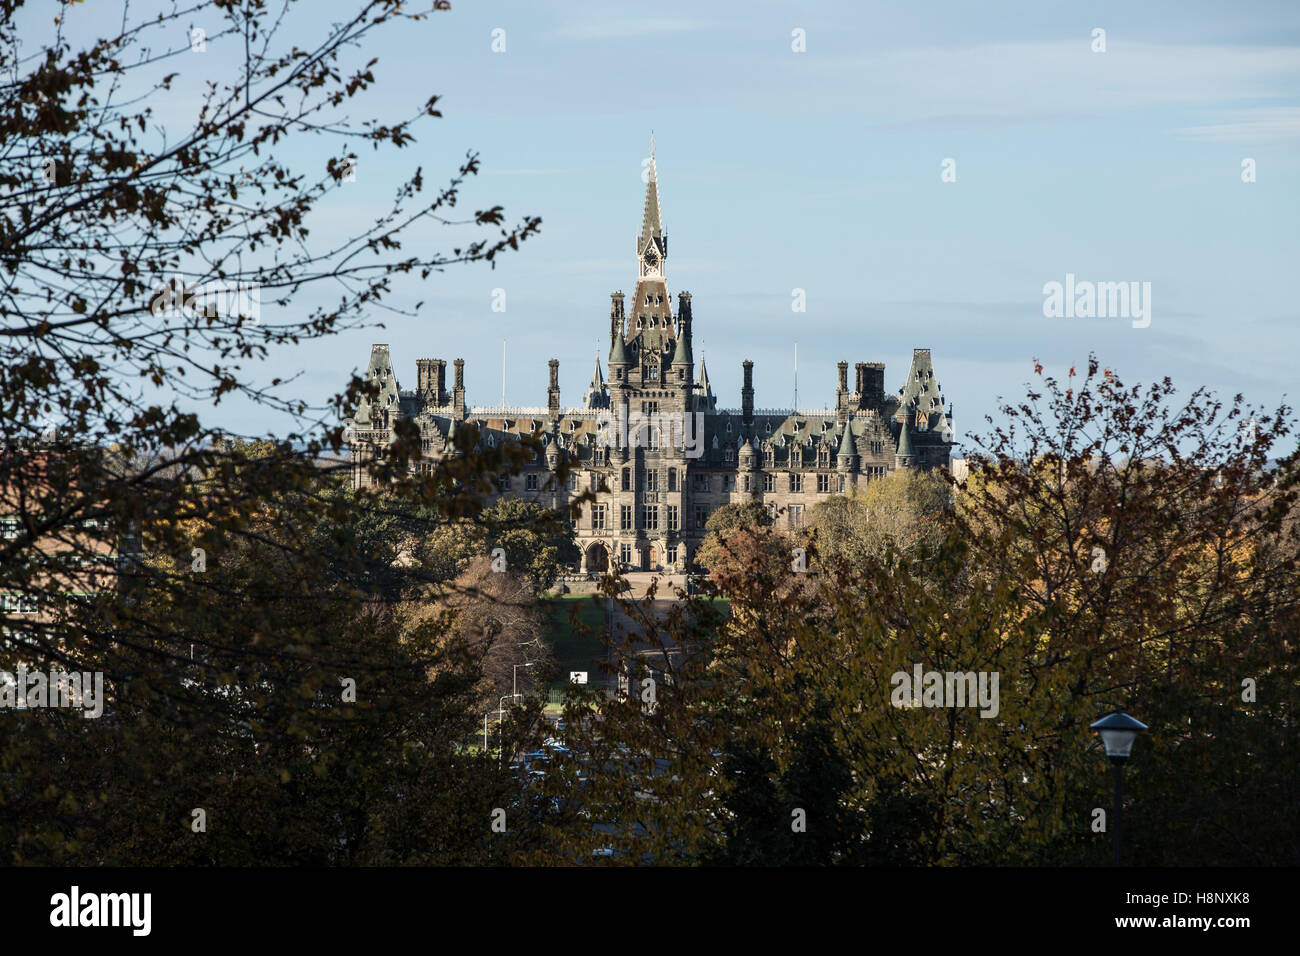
(390, 394)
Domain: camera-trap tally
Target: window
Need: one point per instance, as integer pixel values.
(21, 603)
(650, 514)
(728, 482)
(796, 516)
(672, 479)
(729, 455)
(824, 484)
(701, 518)
(672, 521)
(530, 482)
(652, 481)
(598, 517)
(652, 373)
(625, 517)
(769, 483)
(627, 479)
(572, 481)
(771, 511)
(672, 554)
(504, 482)
(10, 527)
(747, 482)
(796, 482)
(625, 554)
(701, 482)
(841, 484)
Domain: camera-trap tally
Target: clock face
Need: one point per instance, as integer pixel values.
(651, 260)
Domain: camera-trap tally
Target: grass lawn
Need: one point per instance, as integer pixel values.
(574, 650)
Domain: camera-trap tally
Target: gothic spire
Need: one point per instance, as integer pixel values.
(652, 229)
(596, 396)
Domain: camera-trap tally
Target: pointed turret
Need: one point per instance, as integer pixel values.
(449, 443)
(597, 396)
(617, 350)
(903, 458)
(848, 452)
(682, 353)
(747, 456)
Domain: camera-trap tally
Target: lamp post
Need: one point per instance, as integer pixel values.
(501, 719)
(1118, 731)
(515, 677)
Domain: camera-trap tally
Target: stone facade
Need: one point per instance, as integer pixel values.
(656, 488)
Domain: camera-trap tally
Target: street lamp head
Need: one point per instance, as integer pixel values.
(1118, 731)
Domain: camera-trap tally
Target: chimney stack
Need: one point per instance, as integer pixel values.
(553, 390)
(747, 396)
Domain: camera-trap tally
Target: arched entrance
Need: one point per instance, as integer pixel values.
(597, 557)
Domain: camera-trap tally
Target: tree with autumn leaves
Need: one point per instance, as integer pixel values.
(1114, 547)
(231, 594)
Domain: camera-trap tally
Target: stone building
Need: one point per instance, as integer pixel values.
(680, 457)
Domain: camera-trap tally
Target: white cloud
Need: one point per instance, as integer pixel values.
(1261, 125)
(1061, 78)
(613, 29)
(530, 172)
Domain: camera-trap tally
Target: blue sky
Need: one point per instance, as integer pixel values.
(821, 170)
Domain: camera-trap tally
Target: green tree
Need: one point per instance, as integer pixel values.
(723, 524)
(902, 511)
(535, 539)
